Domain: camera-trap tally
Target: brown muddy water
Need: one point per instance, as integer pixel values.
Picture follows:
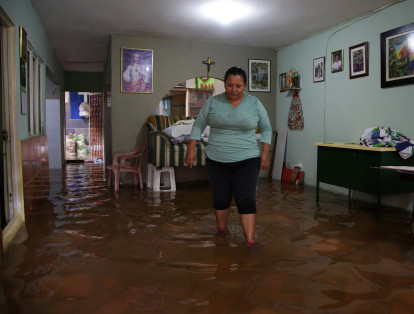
(85, 249)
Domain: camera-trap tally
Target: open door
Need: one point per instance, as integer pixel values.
(2, 183)
(11, 196)
(5, 147)
(83, 127)
(96, 127)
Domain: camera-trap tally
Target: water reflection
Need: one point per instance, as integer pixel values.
(85, 249)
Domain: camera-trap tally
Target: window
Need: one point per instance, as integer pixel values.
(35, 90)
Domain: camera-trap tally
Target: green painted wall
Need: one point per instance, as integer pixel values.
(84, 81)
(340, 108)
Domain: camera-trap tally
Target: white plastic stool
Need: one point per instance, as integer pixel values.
(154, 178)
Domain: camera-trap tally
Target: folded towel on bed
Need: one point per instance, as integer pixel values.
(183, 129)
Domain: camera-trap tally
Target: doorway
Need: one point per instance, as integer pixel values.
(187, 98)
(84, 127)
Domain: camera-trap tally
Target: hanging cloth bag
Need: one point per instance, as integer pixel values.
(295, 119)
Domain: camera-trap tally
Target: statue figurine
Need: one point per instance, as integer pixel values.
(289, 79)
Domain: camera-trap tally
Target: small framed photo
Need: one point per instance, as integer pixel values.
(337, 60)
(319, 69)
(282, 82)
(22, 44)
(259, 75)
(397, 56)
(358, 61)
(136, 70)
(23, 90)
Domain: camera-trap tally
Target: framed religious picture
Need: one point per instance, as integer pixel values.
(337, 58)
(397, 56)
(259, 75)
(358, 61)
(136, 70)
(319, 69)
(282, 82)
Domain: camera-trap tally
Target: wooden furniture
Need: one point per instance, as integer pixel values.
(355, 167)
(119, 165)
(196, 99)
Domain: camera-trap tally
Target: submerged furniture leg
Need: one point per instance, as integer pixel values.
(109, 177)
(117, 175)
(412, 215)
(379, 207)
(317, 191)
(150, 174)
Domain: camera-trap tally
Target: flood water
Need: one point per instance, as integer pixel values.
(85, 249)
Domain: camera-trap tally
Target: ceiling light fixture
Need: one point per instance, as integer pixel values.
(225, 12)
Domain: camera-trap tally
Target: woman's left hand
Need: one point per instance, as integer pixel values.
(264, 161)
(265, 156)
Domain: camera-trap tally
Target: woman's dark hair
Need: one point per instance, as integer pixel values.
(236, 71)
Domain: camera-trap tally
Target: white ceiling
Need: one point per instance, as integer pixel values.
(79, 30)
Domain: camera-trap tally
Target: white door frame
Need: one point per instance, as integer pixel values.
(14, 198)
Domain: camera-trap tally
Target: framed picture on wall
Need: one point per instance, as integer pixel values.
(23, 79)
(337, 58)
(319, 69)
(397, 56)
(358, 61)
(22, 44)
(136, 70)
(282, 82)
(259, 75)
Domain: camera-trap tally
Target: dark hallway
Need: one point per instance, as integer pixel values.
(87, 250)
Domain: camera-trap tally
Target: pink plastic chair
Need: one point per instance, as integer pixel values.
(134, 166)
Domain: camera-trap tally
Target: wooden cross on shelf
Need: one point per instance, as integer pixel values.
(208, 63)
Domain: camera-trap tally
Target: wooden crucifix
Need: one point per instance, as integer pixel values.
(208, 63)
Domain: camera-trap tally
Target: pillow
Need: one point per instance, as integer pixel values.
(178, 130)
(189, 121)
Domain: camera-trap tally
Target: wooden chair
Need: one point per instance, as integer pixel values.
(119, 165)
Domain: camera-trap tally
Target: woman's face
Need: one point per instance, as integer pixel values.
(234, 86)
